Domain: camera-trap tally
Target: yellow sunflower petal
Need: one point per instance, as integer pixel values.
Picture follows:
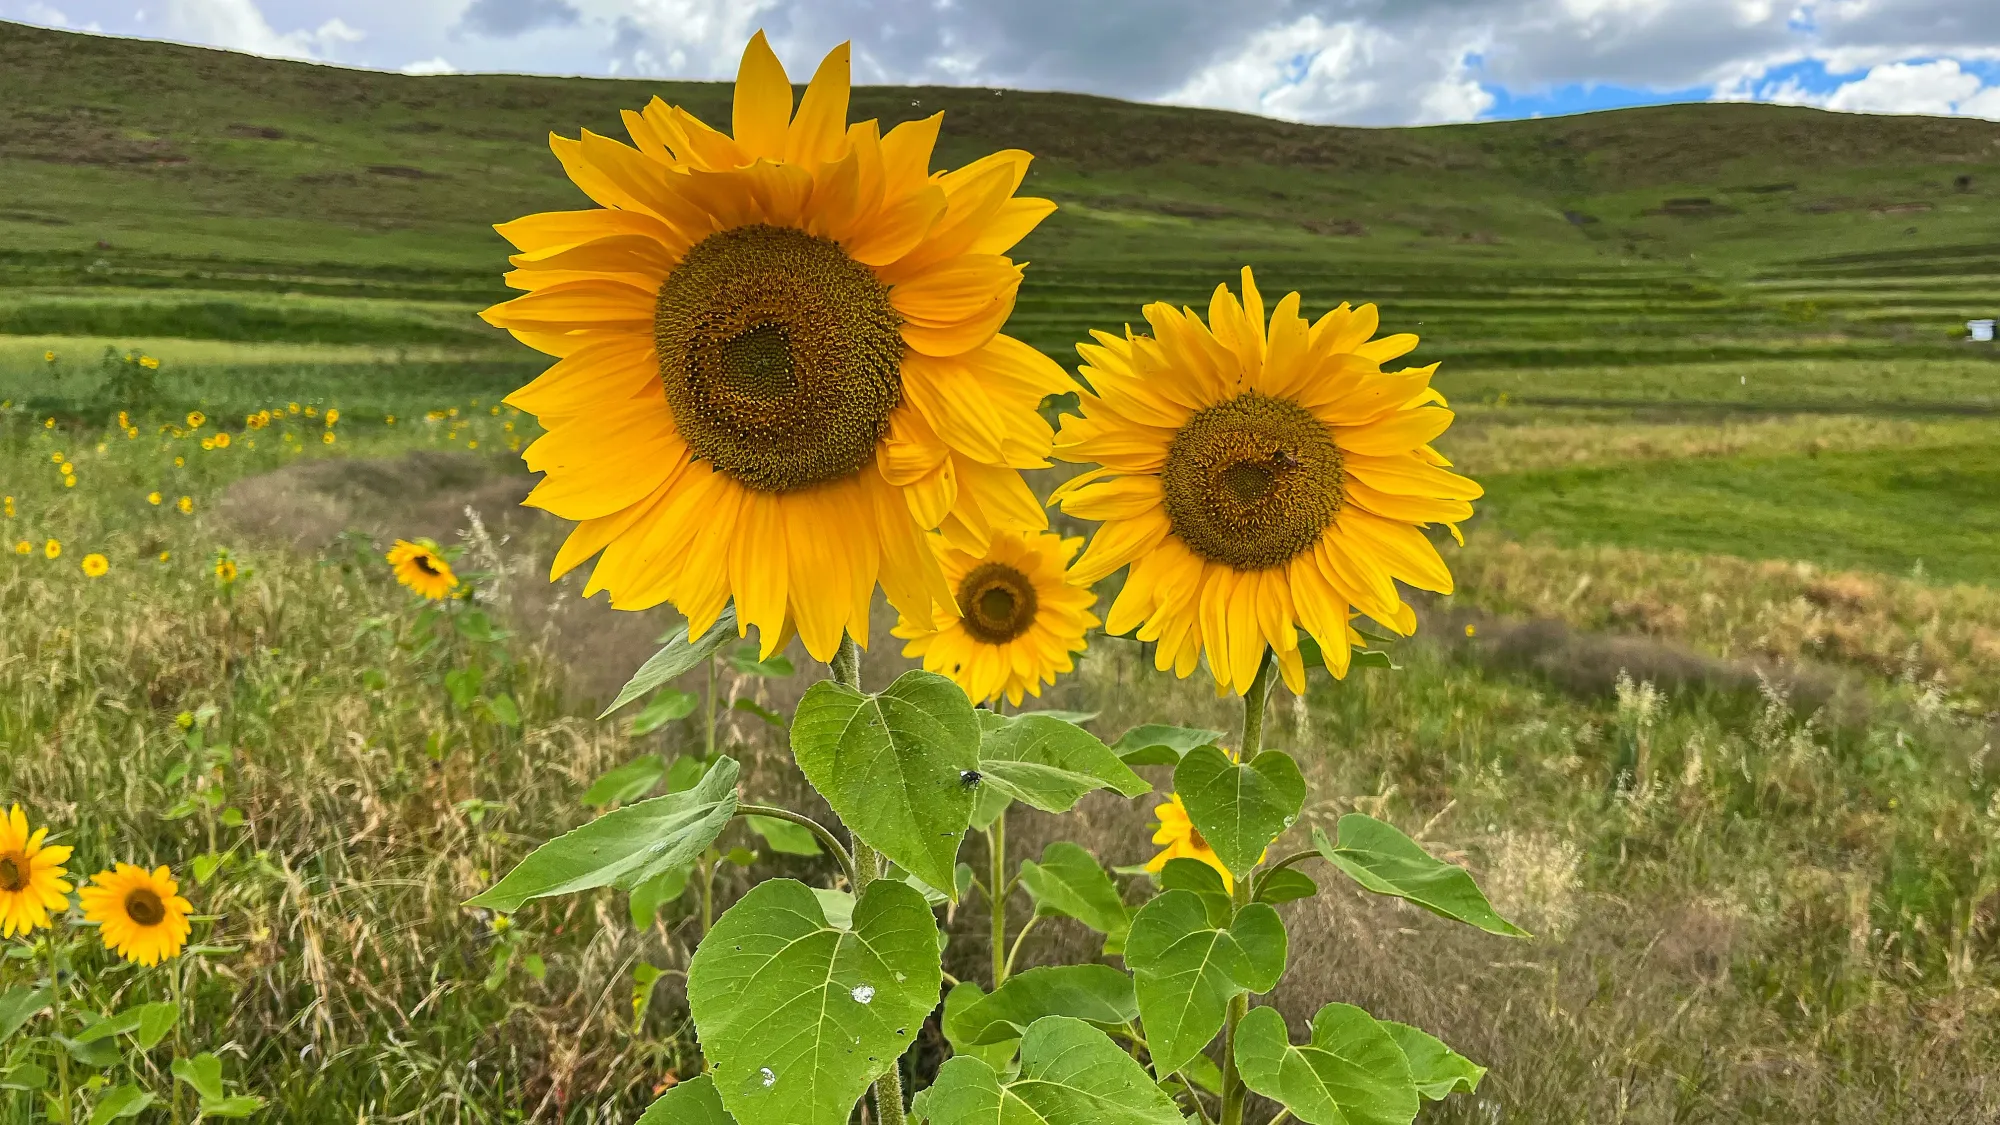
(763, 106)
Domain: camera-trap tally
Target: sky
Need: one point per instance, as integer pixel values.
(1351, 62)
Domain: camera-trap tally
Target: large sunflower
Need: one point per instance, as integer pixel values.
(1259, 481)
(140, 914)
(1017, 621)
(31, 876)
(780, 359)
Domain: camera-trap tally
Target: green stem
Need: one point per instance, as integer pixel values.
(826, 838)
(868, 865)
(181, 1017)
(56, 1016)
(707, 870)
(1233, 1093)
(1019, 939)
(996, 852)
(708, 736)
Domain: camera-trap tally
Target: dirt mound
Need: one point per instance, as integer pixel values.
(310, 504)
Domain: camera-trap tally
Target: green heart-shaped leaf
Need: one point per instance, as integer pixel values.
(693, 1102)
(1071, 1074)
(1352, 1073)
(1046, 762)
(1157, 744)
(1284, 885)
(1385, 861)
(963, 997)
(1240, 809)
(118, 1103)
(17, 1006)
(626, 848)
(1186, 970)
(894, 766)
(1437, 1069)
(1069, 882)
(797, 1015)
(1093, 993)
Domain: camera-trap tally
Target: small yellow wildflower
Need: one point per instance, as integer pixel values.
(389, 419)
(57, 457)
(1471, 631)
(52, 549)
(332, 415)
(208, 443)
(149, 363)
(48, 357)
(69, 482)
(292, 407)
(153, 498)
(195, 419)
(186, 505)
(222, 441)
(180, 461)
(23, 547)
(326, 438)
(95, 565)
(225, 570)
(49, 424)
(8, 507)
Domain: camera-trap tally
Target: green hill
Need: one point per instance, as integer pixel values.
(160, 190)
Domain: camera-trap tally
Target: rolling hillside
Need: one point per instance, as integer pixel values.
(158, 190)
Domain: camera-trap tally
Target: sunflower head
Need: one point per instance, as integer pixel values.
(95, 565)
(1260, 476)
(225, 569)
(780, 359)
(1017, 622)
(140, 914)
(421, 567)
(52, 549)
(31, 876)
(1183, 841)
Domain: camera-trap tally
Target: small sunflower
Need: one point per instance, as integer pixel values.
(1259, 480)
(1183, 841)
(140, 914)
(52, 549)
(153, 498)
(420, 567)
(1017, 622)
(31, 876)
(185, 503)
(195, 419)
(23, 547)
(780, 359)
(95, 565)
(225, 570)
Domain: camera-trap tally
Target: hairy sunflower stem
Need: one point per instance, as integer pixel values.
(56, 1019)
(1233, 1093)
(868, 867)
(996, 852)
(825, 835)
(1019, 939)
(708, 731)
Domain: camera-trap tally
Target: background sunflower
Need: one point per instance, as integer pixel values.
(1017, 621)
(31, 876)
(780, 359)
(419, 565)
(140, 914)
(1259, 481)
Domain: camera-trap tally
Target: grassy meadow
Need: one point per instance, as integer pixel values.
(1713, 710)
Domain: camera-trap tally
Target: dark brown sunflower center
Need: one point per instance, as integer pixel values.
(143, 906)
(13, 873)
(423, 563)
(998, 603)
(781, 355)
(1252, 482)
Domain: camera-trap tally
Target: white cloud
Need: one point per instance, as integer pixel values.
(240, 25)
(684, 38)
(434, 65)
(1931, 87)
(1310, 70)
(45, 15)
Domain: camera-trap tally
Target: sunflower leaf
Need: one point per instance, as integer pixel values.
(1071, 1074)
(963, 998)
(1050, 741)
(1096, 994)
(18, 1006)
(1187, 969)
(1069, 882)
(893, 766)
(1383, 860)
(693, 1102)
(1240, 809)
(623, 849)
(1157, 744)
(798, 1016)
(1284, 885)
(1352, 1073)
(118, 1103)
(624, 784)
(1438, 1070)
(680, 656)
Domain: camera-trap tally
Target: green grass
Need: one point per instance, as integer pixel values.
(1879, 510)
